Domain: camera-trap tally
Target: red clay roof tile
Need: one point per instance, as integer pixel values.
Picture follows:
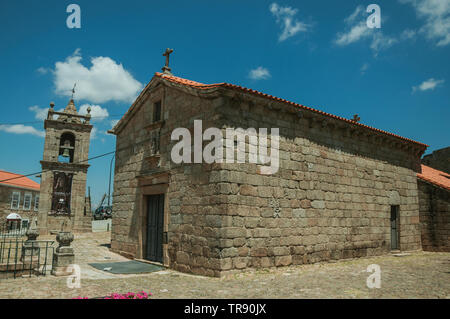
(435, 176)
(198, 85)
(17, 181)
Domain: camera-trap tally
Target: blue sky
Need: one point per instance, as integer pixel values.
(317, 53)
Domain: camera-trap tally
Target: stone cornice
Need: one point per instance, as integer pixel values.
(233, 94)
(67, 125)
(70, 167)
(323, 122)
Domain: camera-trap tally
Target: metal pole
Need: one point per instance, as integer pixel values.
(109, 187)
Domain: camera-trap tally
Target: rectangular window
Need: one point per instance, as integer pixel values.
(36, 202)
(15, 199)
(27, 201)
(157, 112)
(395, 231)
(25, 223)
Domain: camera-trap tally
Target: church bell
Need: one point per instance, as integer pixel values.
(67, 148)
(66, 153)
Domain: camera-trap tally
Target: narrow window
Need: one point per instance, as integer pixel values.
(157, 112)
(36, 203)
(15, 199)
(27, 201)
(395, 232)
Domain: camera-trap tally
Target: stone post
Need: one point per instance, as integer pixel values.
(30, 249)
(63, 255)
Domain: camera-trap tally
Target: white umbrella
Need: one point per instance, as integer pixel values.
(13, 216)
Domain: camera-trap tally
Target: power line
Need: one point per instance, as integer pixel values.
(49, 170)
(92, 158)
(92, 117)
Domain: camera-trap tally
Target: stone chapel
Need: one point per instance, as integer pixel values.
(343, 189)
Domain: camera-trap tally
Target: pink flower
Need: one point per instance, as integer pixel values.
(144, 294)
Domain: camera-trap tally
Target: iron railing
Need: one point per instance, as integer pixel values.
(20, 257)
(6, 231)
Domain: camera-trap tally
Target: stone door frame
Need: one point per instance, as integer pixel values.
(152, 185)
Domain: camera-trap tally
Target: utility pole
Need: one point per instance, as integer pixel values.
(109, 187)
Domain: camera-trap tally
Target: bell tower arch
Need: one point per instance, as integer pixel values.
(64, 171)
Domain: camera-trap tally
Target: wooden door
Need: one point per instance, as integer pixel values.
(155, 224)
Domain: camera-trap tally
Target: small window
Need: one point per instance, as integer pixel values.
(25, 223)
(36, 203)
(27, 201)
(157, 112)
(15, 199)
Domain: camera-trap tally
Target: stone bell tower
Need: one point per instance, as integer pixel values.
(64, 171)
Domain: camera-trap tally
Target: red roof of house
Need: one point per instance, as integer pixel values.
(17, 180)
(198, 85)
(435, 176)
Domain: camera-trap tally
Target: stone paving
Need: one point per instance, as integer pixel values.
(414, 275)
(101, 225)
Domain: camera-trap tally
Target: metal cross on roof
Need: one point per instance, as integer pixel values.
(356, 118)
(166, 68)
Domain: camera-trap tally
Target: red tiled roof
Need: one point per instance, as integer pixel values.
(17, 181)
(198, 85)
(435, 176)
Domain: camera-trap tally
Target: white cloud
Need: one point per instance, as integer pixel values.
(408, 34)
(429, 84)
(114, 122)
(39, 114)
(285, 17)
(104, 81)
(94, 132)
(43, 70)
(381, 42)
(436, 14)
(21, 129)
(356, 33)
(357, 29)
(364, 68)
(260, 73)
(97, 112)
(355, 15)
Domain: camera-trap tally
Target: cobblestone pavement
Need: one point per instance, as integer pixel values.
(417, 275)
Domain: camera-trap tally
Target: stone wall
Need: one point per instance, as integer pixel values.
(193, 236)
(330, 199)
(5, 203)
(333, 193)
(434, 206)
(439, 159)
